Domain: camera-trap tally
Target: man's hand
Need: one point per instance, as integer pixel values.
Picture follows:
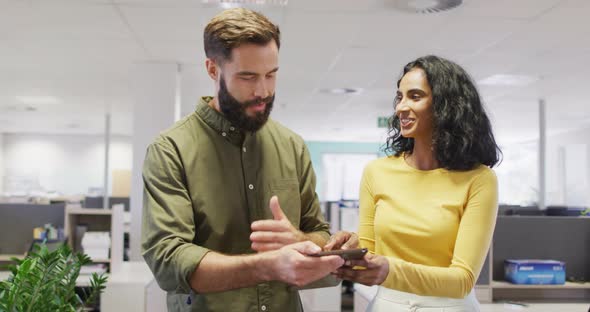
(375, 272)
(290, 264)
(342, 240)
(274, 234)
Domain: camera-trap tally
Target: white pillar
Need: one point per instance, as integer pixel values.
(542, 153)
(1, 163)
(107, 168)
(561, 176)
(155, 88)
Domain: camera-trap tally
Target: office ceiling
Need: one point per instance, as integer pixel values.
(82, 51)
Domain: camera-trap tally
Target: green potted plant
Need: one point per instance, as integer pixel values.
(46, 280)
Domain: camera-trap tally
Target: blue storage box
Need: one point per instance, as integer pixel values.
(537, 272)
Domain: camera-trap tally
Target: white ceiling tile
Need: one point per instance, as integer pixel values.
(158, 3)
(491, 62)
(357, 60)
(334, 6)
(394, 31)
(62, 54)
(48, 21)
(81, 51)
(64, 123)
(483, 33)
(521, 9)
(168, 23)
(309, 29)
(185, 52)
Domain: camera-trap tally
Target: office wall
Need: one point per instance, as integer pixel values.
(72, 164)
(68, 164)
(317, 149)
(568, 168)
(517, 174)
(1, 163)
(518, 182)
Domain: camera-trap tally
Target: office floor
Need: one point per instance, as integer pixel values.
(347, 306)
(539, 307)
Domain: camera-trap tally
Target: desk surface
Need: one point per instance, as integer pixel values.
(82, 281)
(134, 272)
(130, 272)
(8, 258)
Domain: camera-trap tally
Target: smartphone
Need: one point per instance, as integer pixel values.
(346, 254)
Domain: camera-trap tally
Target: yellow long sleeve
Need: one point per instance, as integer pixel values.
(434, 226)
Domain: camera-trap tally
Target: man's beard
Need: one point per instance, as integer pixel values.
(235, 111)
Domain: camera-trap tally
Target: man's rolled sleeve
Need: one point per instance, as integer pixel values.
(168, 219)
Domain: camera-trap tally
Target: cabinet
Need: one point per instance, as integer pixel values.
(108, 220)
(538, 237)
(133, 288)
(92, 219)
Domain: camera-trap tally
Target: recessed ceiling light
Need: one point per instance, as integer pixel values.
(508, 80)
(342, 91)
(426, 6)
(37, 100)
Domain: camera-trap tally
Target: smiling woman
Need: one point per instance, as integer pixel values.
(441, 91)
(428, 212)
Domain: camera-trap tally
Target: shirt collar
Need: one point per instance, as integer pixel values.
(218, 122)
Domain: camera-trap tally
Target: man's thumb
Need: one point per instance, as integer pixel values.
(306, 248)
(275, 208)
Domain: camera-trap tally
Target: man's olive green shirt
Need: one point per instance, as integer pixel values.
(205, 182)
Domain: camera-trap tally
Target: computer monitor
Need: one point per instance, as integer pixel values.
(97, 202)
(17, 222)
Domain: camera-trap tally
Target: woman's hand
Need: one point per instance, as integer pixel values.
(342, 240)
(374, 270)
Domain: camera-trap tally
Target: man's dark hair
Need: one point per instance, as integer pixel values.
(231, 28)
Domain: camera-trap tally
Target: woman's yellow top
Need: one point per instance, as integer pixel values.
(433, 226)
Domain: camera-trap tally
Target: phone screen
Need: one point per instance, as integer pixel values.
(346, 254)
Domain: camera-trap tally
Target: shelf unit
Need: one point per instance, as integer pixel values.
(100, 260)
(98, 219)
(535, 237)
(567, 285)
(95, 219)
(500, 290)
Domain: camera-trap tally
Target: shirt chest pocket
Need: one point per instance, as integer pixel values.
(287, 190)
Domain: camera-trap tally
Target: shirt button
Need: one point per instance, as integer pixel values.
(251, 186)
(232, 128)
(223, 133)
(263, 308)
(244, 149)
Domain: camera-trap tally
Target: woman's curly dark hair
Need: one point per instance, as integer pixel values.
(462, 137)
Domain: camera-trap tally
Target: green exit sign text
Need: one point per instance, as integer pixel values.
(382, 122)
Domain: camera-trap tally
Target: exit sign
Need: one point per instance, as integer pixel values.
(382, 122)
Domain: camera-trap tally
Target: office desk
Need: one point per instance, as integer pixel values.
(82, 281)
(132, 288)
(8, 257)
